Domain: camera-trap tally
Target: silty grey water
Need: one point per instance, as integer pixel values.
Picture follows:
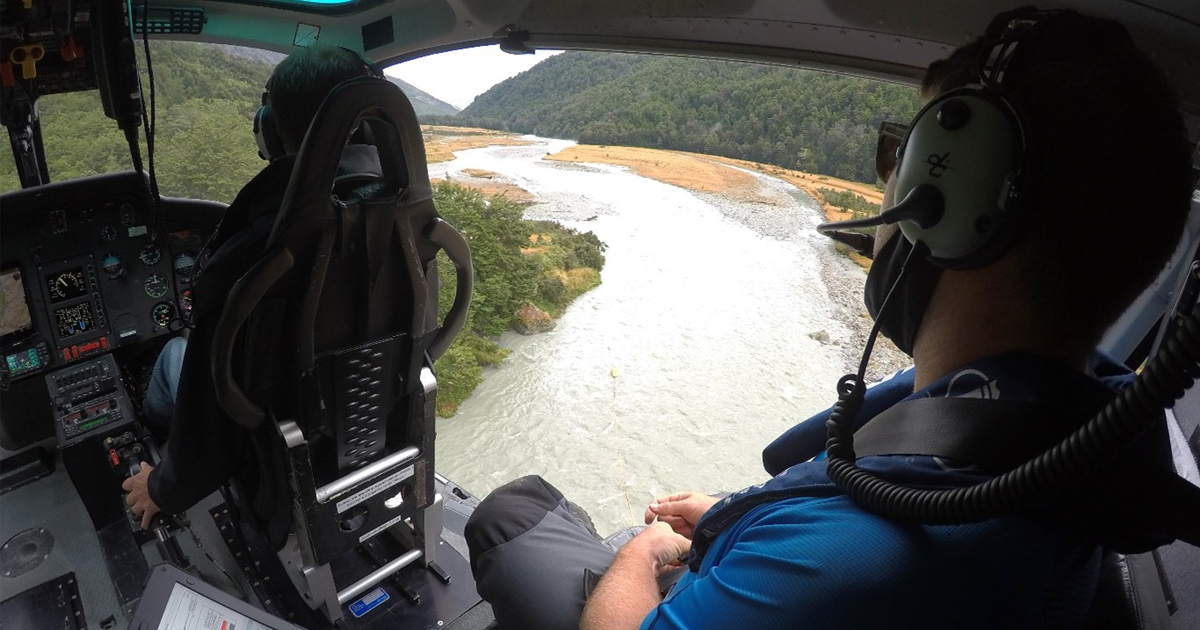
(672, 375)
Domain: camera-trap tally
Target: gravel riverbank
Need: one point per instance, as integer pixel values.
(792, 215)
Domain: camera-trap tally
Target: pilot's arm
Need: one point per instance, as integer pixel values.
(205, 447)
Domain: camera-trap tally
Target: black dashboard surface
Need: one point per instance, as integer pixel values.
(87, 268)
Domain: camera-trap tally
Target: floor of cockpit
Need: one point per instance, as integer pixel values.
(63, 533)
(52, 504)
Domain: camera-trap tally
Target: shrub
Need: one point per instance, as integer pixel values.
(550, 288)
(458, 374)
(856, 204)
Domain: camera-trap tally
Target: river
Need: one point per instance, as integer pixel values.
(718, 325)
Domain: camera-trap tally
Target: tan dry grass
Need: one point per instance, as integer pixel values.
(579, 277)
(508, 190)
(686, 170)
(811, 183)
(443, 130)
(442, 142)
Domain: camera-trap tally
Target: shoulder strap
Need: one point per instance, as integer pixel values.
(1131, 507)
(995, 435)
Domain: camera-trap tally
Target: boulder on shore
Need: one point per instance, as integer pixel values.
(532, 320)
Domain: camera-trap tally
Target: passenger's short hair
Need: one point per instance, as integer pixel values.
(304, 79)
(1107, 180)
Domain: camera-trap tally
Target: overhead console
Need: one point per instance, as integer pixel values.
(83, 273)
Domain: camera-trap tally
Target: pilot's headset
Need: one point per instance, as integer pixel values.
(960, 168)
(266, 133)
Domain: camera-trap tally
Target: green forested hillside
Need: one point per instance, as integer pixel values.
(204, 145)
(811, 121)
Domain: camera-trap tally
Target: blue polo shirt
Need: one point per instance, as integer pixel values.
(815, 559)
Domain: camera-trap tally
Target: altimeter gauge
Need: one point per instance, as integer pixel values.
(155, 285)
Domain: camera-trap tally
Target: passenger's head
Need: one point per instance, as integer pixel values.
(1107, 176)
(302, 81)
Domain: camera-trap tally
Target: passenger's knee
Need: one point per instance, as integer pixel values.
(509, 511)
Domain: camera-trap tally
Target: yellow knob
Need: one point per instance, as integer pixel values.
(27, 57)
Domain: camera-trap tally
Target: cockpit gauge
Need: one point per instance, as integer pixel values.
(162, 314)
(112, 265)
(108, 233)
(128, 215)
(150, 254)
(155, 285)
(66, 285)
(184, 263)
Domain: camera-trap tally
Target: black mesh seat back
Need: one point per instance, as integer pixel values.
(311, 221)
(324, 348)
(347, 327)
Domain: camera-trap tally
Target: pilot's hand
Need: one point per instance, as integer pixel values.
(139, 499)
(681, 511)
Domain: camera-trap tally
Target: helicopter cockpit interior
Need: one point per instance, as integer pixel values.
(98, 274)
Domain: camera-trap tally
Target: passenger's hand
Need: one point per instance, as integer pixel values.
(664, 548)
(681, 511)
(139, 499)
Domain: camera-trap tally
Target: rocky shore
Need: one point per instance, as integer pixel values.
(791, 214)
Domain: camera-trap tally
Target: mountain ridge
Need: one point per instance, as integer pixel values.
(799, 119)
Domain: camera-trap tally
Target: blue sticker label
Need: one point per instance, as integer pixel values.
(368, 602)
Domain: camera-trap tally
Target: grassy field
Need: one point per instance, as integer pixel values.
(686, 170)
(712, 174)
(442, 142)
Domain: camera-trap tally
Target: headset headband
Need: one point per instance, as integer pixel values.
(969, 146)
(1002, 38)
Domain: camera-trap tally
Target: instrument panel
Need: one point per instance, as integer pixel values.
(83, 271)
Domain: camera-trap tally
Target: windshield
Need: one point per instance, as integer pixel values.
(205, 97)
(647, 272)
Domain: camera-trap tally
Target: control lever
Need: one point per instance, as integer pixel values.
(126, 454)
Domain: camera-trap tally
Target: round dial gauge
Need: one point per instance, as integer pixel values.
(150, 254)
(67, 285)
(162, 314)
(155, 285)
(184, 263)
(112, 265)
(108, 234)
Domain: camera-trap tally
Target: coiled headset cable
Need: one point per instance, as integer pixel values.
(1098, 441)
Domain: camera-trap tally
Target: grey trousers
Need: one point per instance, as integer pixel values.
(536, 556)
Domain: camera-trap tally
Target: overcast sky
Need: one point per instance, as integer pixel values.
(459, 76)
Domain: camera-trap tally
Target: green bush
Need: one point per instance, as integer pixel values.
(585, 253)
(486, 351)
(856, 204)
(550, 288)
(458, 374)
(505, 279)
(510, 272)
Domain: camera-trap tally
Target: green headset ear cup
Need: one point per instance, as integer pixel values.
(972, 153)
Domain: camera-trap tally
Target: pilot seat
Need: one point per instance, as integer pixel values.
(331, 339)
